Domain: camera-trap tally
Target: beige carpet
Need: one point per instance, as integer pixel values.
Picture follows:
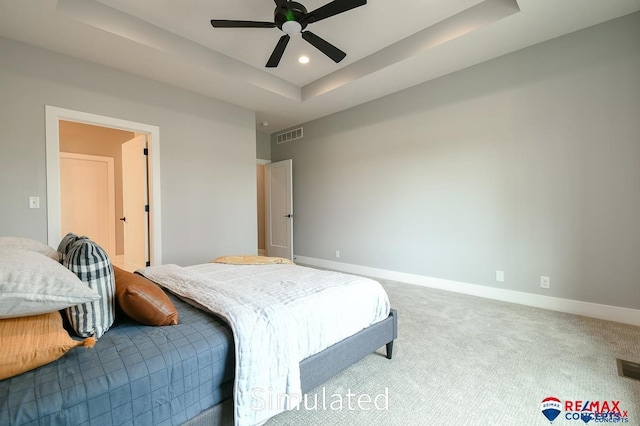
(464, 360)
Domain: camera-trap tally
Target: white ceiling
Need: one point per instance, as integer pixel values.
(390, 45)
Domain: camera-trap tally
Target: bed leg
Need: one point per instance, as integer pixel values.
(390, 349)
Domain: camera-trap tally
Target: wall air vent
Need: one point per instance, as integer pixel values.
(628, 369)
(289, 136)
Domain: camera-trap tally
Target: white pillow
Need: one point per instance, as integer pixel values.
(17, 243)
(32, 284)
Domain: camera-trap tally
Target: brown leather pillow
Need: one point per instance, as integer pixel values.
(143, 300)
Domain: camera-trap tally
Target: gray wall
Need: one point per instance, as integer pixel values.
(529, 163)
(208, 150)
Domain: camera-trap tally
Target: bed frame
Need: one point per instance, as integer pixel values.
(320, 367)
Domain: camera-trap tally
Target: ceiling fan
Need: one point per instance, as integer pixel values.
(292, 18)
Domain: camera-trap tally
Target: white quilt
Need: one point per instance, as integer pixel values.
(280, 315)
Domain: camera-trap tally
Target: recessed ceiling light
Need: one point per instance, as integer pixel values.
(303, 60)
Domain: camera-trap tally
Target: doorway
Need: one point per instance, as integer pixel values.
(103, 190)
(54, 117)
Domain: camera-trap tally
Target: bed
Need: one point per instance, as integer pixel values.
(134, 374)
(179, 374)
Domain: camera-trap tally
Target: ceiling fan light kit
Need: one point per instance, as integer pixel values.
(292, 18)
(292, 28)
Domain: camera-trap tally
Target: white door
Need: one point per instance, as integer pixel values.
(87, 198)
(279, 209)
(134, 200)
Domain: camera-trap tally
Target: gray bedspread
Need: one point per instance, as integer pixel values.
(135, 375)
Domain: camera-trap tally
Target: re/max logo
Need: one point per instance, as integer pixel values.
(595, 407)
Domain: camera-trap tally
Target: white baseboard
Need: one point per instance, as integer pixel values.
(594, 310)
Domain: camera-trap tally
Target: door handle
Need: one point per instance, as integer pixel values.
(288, 215)
(124, 219)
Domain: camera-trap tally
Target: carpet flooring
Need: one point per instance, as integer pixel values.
(465, 360)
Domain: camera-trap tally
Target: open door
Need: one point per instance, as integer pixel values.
(134, 203)
(279, 209)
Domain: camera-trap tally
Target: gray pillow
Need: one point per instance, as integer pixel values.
(18, 243)
(91, 264)
(33, 284)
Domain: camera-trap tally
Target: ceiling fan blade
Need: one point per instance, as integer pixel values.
(223, 23)
(331, 9)
(324, 46)
(281, 3)
(274, 60)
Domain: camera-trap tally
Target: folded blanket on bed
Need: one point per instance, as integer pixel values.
(250, 260)
(280, 315)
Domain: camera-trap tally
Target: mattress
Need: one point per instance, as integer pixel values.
(182, 369)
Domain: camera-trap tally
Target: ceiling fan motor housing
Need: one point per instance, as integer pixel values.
(291, 10)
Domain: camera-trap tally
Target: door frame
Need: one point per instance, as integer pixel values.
(53, 115)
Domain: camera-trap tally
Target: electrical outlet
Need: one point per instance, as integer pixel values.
(337, 254)
(500, 276)
(545, 282)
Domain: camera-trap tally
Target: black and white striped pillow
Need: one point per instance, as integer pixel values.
(66, 244)
(91, 264)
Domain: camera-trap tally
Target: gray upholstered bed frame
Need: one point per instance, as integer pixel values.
(318, 368)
